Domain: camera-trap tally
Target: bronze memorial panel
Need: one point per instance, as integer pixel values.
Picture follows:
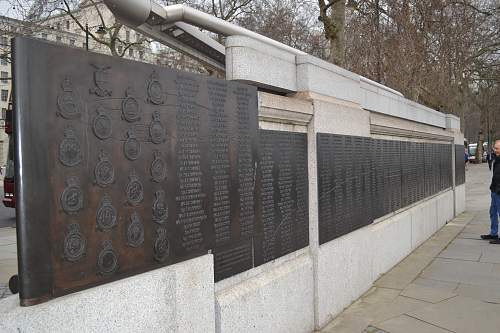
(124, 167)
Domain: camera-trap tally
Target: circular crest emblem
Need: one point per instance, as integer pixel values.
(102, 126)
(106, 214)
(68, 102)
(134, 190)
(69, 150)
(107, 260)
(132, 146)
(161, 247)
(72, 196)
(74, 244)
(130, 107)
(158, 168)
(135, 231)
(156, 130)
(104, 172)
(155, 89)
(160, 208)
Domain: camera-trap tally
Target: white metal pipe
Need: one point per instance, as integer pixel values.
(136, 12)
(211, 23)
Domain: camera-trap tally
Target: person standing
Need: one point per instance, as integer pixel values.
(490, 158)
(495, 198)
(466, 158)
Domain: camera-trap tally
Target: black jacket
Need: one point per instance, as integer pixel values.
(495, 180)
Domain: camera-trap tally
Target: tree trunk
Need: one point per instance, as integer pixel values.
(333, 17)
(337, 42)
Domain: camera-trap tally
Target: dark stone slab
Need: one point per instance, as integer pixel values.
(459, 164)
(362, 179)
(284, 223)
(345, 184)
(125, 167)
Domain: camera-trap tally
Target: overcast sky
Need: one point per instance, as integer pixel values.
(5, 9)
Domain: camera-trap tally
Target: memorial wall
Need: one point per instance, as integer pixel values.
(125, 167)
(141, 167)
(361, 179)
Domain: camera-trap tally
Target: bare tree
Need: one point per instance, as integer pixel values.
(44, 12)
(332, 15)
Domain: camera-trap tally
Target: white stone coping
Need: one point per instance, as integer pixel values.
(247, 42)
(287, 110)
(318, 76)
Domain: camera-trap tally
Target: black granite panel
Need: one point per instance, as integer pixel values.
(459, 164)
(284, 224)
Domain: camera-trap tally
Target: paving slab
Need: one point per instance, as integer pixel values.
(470, 272)
(489, 294)
(427, 294)
(491, 254)
(436, 284)
(461, 315)
(406, 324)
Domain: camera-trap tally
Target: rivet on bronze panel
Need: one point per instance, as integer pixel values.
(68, 101)
(135, 231)
(106, 215)
(75, 244)
(101, 81)
(69, 150)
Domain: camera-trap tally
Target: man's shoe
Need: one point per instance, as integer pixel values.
(495, 241)
(489, 237)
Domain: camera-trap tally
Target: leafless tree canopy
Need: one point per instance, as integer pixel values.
(441, 53)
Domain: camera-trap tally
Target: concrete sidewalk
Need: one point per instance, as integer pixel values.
(451, 283)
(8, 258)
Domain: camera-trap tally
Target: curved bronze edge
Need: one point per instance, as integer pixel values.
(34, 301)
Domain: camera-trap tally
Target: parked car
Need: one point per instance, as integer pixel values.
(472, 152)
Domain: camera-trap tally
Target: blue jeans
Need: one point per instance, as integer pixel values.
(494, 211)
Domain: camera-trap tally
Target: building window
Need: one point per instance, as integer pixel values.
(4, 113)
(131, 52)
(59, 39)
(4, 76)
(120, 49)
(141, 55)
(67, 25)
(4, 40)
(3, 61)
(44, 35)
(72, 42)
(58, 26)
(5, 95)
